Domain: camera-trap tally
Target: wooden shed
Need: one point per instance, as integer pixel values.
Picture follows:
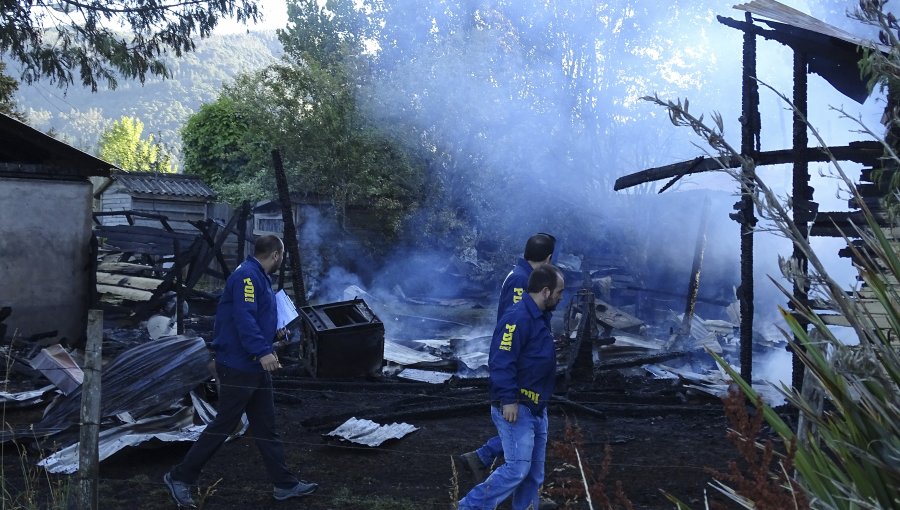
(45, 231)
(181, 198)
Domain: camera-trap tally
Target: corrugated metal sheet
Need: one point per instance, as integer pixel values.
(777, 11)
(402, 355)
(174, 185)
(369, 433)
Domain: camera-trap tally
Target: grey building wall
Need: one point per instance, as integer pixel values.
(45, 230)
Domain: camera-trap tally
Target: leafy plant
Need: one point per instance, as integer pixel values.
(847, 458)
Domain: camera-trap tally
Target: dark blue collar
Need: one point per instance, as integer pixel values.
(531, 306)
(525, 265)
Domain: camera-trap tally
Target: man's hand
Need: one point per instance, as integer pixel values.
(510, 412)
(270, 362)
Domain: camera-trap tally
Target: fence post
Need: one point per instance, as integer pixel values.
(89, 435)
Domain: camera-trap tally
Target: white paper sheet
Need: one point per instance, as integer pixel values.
(286, 310)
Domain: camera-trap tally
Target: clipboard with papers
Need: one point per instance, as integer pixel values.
(287, 312)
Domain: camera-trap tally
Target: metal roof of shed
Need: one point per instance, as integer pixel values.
(172, 185)
(28, 153)
(777, 11)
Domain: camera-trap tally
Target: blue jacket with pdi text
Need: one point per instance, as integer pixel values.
(513, 287)
(522, 359)
(246, 318)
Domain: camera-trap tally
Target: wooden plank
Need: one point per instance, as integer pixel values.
(881, 321)
(125, 293)
(124, 268)
(131, 282)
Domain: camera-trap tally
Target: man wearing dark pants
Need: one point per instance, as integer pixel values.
(244, 333)
(523, 371)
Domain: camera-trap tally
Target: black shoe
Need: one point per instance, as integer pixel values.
(471, 463)
(303, 488)
(547, 504)
(180, 491)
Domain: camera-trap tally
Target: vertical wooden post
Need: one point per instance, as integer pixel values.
(89, 437)
(694, 284)
(802, 203)
(179, 289)
(290, 231)
(749, 147)
(242, 232)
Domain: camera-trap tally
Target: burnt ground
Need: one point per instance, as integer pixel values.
(661, 438)
(660, 435)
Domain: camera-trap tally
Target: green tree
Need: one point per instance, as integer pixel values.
(54, 38)
(307, 106)
(222, 145)
(8, 87)
(121, 144)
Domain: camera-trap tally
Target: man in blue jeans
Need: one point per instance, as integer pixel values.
(523, 371)
(244, 332)
(538, 250)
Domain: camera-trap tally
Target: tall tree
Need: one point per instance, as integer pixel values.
(101, 39)
(121, 144)
(307, 107)
(224, 144)
(8, 87)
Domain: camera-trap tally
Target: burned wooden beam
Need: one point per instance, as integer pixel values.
(637, 361)
(860, 152)
(694, 283)
(290, 232)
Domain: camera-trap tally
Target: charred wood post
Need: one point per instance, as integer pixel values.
(89, 435)
(750, 127)
(580, 360)
(290, 231)
(243, 215)
(802, 202)
(93, 295)
(694, 284)
(179, 291)
(5, 312)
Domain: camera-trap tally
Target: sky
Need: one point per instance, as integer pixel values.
(274, 16)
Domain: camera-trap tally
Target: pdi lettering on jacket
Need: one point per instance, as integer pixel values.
(249, 293)
(533, 396)
(506, 343)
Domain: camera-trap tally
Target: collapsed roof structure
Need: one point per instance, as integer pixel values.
(818, 48)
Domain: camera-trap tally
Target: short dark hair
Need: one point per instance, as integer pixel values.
(545, 275)
(539, 247)
(266, 245)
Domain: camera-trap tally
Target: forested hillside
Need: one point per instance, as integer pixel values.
(79, 116)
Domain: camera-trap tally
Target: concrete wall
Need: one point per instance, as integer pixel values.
(45, 231)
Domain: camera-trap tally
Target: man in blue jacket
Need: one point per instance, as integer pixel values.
(245, 359)
(523, 371)
(538, 250)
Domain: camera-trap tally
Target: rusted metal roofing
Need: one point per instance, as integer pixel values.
(777, 11)
(173, 185)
